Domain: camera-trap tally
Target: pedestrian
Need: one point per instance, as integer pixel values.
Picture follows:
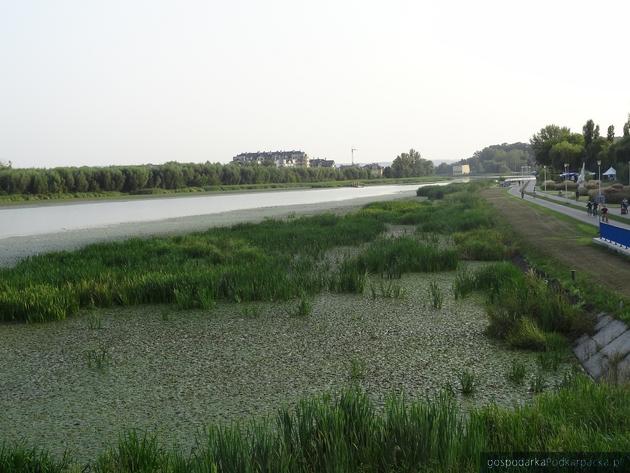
(522, 193)
(595, 205)
(604, 213)
(589, 207)
(577, 194)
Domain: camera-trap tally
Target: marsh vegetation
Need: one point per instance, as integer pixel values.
(190, 337)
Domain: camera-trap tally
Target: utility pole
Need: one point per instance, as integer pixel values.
(352, 150)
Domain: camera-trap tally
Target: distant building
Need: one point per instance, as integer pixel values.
(277, 158)
(461, 169)
(321, 163)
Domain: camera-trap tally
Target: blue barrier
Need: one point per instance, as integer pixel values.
(617, 235)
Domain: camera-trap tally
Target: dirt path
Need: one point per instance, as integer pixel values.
(565, 240)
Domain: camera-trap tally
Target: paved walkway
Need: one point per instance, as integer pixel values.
(614, 208)
(580, 215)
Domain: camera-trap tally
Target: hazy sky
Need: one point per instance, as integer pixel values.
(90, 82)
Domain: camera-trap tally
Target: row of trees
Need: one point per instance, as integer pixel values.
(173, 175)
(495, 159)
(554, 146)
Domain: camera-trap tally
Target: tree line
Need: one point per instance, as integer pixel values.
(554, 146)
(495, 159)
(174, 175)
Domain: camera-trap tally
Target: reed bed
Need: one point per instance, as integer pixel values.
(348, 433)
(270, 261)
(523, 308)
(274, 260)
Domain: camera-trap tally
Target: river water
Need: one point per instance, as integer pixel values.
(43, 219)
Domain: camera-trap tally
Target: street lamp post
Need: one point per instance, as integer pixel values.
(599, 172)
(545, 181)
(566, 167)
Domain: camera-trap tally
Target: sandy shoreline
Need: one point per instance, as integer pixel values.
(14, 249)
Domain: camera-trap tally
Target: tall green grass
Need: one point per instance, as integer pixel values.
(273, 260)
(522, 308)
(391, 257)
(20, 459)
(347, 433)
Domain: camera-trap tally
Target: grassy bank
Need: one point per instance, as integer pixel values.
(555, 244)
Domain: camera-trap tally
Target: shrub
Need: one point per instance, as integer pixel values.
(481, 244)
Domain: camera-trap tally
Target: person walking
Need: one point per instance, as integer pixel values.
(595, 205)
(604, 213)
(589, 207)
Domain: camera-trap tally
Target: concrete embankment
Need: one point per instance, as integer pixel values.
(606, 353)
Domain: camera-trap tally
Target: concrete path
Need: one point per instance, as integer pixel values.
(582, 216)
(605, 354)
(614, 210)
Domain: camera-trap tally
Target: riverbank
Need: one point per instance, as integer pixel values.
(27, 200)
(14, 249)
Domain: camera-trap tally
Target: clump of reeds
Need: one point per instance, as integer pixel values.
(516, 373)
(387, 290)
(467, 382)
(436, 295)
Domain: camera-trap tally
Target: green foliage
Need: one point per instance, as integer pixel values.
(467, 382)
(348, 433)
(522, 308)
(98, 358)
(463, 284)
(387, 290)
(545, 139)
(498, 159)
(516, 373)
(156, 179)
(436, 295)
(392, 257)
(565, 152)
(274, 260)
(304, 307)
(357, 370)
(410, 164)
(350, 277)
(135, 453)
(482, 244)
(538, 383)
(19, 459)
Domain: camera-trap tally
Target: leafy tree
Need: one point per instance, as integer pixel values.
(626, 127)
(566, 152)
(588, 130)
(610, 136)
(543, 141)
(411, 164)
(5, 165)
(444, 169)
